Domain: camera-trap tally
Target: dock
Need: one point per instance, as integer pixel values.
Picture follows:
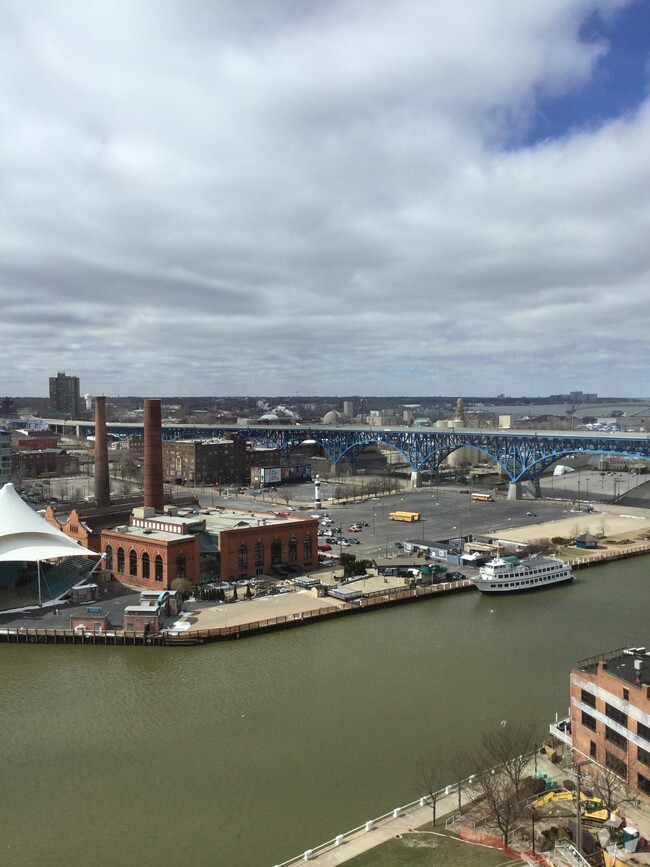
(374, 601)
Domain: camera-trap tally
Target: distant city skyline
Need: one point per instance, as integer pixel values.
(349, 198)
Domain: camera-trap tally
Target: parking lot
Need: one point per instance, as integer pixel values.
(445, 513)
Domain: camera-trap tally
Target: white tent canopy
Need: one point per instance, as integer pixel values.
(26, 535)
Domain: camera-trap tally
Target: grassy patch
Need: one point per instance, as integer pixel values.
(424, 849)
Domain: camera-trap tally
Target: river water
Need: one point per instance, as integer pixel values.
(246, 753)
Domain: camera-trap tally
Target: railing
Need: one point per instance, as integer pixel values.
(466, 785)
(592, 661)
(227, 633)
(23, 635)
(372, 824)
(562, 731)
(315, 614)
(569, 852)
(610, 554)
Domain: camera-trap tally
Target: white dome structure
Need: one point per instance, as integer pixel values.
(334, 417)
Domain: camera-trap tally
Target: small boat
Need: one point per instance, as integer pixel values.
(510, 574)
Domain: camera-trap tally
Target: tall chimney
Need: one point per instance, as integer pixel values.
(153, 469)
(102, 484)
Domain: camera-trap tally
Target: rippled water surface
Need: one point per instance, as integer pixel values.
(249, 752)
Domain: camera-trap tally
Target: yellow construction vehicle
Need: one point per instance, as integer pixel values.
(591, 809)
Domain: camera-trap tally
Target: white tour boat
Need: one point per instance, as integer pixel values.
(509, 574)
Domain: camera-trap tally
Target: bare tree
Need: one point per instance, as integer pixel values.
(607, 786)
(498, 796)
(502, 760)
(433, 778)
(459, 769)
(182, 585)
(509, 746)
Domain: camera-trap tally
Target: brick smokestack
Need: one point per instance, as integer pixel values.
(153, 469)
(102, 483)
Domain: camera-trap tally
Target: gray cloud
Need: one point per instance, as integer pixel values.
(302, 197)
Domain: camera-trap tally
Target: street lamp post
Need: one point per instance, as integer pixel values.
(532, 816)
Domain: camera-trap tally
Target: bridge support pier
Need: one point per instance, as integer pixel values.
(416, 479)
(514, 491)
(534, 488)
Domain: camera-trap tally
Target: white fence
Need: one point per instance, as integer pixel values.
(465, 785)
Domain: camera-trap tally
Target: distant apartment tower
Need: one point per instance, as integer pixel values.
(5, 456)
(349, 408)
(64, 396)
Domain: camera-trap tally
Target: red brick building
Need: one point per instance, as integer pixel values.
(31, 463)
(76, 528)
(150, 550)
(153, 550)
(610, 714)
(35, 443)
(199, 462)
(259, 543)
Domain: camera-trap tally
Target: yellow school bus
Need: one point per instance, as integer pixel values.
(483, 498)
(404, 516)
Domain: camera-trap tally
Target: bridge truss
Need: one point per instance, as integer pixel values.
(521, 456)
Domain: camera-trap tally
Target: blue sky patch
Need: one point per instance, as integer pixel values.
(619, 83)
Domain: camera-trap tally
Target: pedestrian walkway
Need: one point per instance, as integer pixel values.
(403, 820)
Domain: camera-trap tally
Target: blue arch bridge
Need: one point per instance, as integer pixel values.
(522, 456)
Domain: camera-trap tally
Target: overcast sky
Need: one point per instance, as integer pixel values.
(325, 196)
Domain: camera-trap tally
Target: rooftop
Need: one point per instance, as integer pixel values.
(229, 519)
(149, 533)
(631, 664)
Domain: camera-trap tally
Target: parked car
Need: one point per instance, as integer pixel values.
(354, 529)
(326, 562)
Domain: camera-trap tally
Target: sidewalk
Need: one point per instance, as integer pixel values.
(361, 840)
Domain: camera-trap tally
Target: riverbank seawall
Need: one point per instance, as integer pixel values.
(188, 632)
(177, 638)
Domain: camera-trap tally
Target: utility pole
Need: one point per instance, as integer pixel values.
(579, 765)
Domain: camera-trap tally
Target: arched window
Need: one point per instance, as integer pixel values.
(181, 566)
(133, 562)
(293, 549)
(145, 565)
(276, 552)
(242, 557)
(259, 555)
(109, 557)
(120, 559)
(306, 548)
(159, 567)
